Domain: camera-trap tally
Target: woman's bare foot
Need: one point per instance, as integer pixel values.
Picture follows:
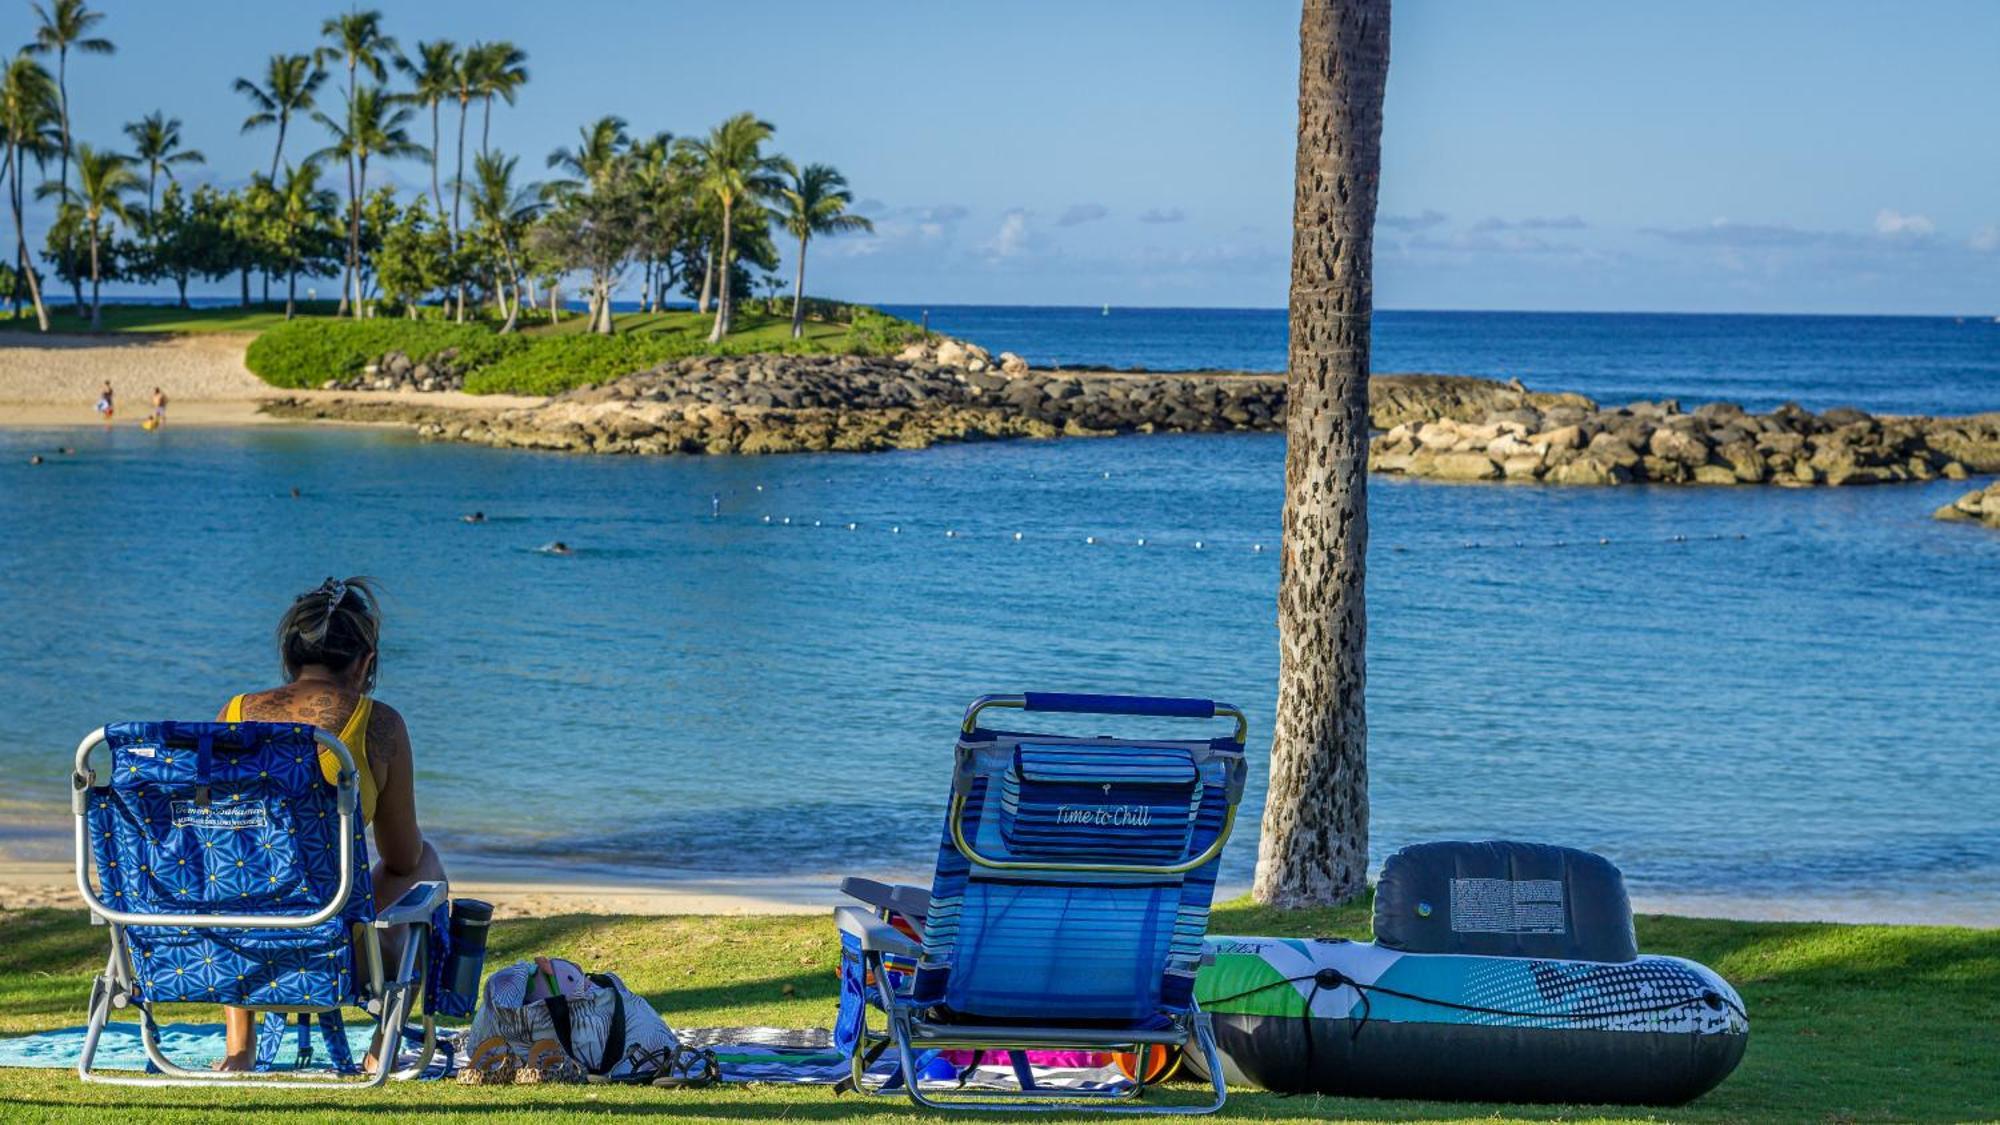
(241, 1060)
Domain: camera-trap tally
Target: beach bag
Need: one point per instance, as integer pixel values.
(531, 1010)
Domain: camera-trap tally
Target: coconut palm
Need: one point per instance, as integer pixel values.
(291, 83)
(1314, 847)
(65, 26)
(156, 143)
(661, 186)
(305, 209)
(734, 170)
(599, 146)
(375, 126)
(498, 69)
(103, 179)
(503, 212)
(28, 129)
(814, 202)
(356, 40)
(434, 76)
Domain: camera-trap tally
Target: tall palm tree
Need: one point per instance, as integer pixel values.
(65, 26)
(1314, 848)
(501, 69)
(814, 202)
(659, 184)
(375, 126)
(103, 179)
(434, 75)
(303, 206)
(156, 143)
(599, 145)
(503, 211)
(291, 83)
(28, 128)
(355, 38)
(734, 170)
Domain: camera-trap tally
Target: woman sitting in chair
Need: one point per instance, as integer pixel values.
(327, 643)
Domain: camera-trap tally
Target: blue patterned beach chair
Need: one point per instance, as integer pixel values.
(1067, 912)
(230, 872)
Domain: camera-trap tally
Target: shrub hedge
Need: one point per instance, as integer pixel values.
(307, 353)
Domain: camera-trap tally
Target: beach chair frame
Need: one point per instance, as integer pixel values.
(390, 1001)
(888, 952)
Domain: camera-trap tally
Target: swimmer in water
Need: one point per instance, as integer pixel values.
(715, 505)
(295, 494)
(557, 548)
(35, 460)
(475, 517)
(66, 450)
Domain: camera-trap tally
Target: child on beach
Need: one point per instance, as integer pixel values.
(159, 407)
(104, 403)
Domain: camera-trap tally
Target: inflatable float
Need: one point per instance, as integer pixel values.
(1500, 972)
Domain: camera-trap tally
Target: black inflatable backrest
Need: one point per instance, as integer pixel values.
(1502, 898)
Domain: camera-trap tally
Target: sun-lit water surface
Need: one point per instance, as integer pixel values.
(1774, 693)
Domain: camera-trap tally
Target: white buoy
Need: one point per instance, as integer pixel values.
(760, 488)
(1090, 539)
(1107, 474)
(951, 534)
(1604, 542)
(851, 527)
(1017, 537)
(788, 521)
(895, 531)
(1257, 548)
(815, 523)
(1142, 541)
(767, 519)
(1197, 544)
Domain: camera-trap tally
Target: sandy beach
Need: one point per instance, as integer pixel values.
(54, 381)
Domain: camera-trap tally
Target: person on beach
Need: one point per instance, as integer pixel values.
(328, 642)
(159, 407)
(105, 404)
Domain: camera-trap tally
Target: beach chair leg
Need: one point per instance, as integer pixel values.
(100, 1013)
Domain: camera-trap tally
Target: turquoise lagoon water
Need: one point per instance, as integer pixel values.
(1780, 695)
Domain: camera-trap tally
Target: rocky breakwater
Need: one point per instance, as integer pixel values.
(785, 404)
(396, 371)
(1717, 443)
(1981, 505)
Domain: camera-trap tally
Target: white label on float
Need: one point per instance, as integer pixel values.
(226, 817)
(1507, 906)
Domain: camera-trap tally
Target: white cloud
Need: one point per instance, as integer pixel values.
(1896, 223)
(1986, 239)
(1012, 239)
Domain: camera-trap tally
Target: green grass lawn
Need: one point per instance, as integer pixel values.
(165, 318)
(1849, 1023)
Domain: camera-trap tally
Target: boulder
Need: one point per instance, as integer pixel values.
(1460, 465)
(1676, 444)
(1977, 506)
(1013, 364)
(1588, 469)
(951, 353)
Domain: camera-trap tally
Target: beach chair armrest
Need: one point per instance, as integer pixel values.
(415, 907)
(876, 935)
(911, 902)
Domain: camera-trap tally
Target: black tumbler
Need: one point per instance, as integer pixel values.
(469, 920)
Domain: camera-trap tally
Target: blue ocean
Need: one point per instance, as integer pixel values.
(1762, 696)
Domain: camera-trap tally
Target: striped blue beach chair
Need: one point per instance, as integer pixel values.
(1067, 912)
(230, 872)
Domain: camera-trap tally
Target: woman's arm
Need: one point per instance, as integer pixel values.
(398, 841)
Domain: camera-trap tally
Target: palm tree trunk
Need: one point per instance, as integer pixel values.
(279, 151)
(799, 294)
(292, 291)
(722, 301)
(437, 196)
(354, 233)
(555, 298)
(21, 248)
(96, 311)
(246, 285)
(62, 95)
(707, 280)
(486, 126)
(1314, 847)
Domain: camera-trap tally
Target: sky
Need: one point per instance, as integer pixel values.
(1785, 156)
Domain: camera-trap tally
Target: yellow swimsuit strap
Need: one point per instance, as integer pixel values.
(353, 734)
